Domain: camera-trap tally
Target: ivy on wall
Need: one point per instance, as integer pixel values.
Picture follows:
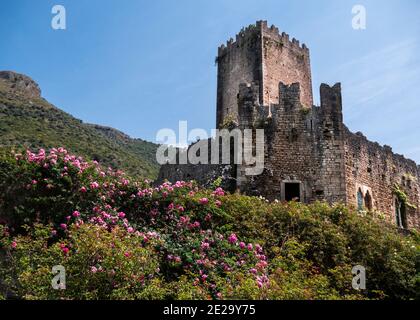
(402, 197)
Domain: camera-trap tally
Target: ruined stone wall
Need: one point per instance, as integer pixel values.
(376, 169)
(329, 129)
(301, 145)
(202, 173)
(289, 146)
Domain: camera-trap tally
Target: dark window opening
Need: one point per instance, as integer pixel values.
(400, 214)
(368, 201)
(292, 191)
(360, 200)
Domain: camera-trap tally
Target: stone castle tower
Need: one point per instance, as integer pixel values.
(260, 55)
(264, 82)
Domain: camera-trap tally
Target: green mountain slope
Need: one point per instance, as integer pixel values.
(28, 120)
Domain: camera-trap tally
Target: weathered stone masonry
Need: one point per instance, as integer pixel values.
(260, 54)
(264, 82)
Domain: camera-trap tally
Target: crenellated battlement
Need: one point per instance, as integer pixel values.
(262, 54)
(261, 29)
(274, 33)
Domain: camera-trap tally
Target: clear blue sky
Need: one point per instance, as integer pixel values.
(140, 66)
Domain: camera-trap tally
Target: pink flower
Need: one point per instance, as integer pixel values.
(250, 246)
(93, 269)
(14, 244)
(63, 226)
(204, 201)
(130, 230)
(219, 192)
(83, 189)
(94, 185)
(127, 254)
(218, 203)
(233, 238)
(253, 271)
(76, 214)
(205, 245)
(34, 182)
(121, 215)
(184, 219)
(242, 245)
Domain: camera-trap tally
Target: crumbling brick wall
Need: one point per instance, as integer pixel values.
(377, 170)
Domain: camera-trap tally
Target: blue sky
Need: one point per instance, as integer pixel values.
(141, 66)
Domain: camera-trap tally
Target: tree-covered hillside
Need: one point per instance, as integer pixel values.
(29, 121)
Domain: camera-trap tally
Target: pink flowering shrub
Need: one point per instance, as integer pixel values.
(125, 239)
(100, 264)
(176, 221)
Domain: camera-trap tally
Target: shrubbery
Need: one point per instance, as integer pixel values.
(125, 239)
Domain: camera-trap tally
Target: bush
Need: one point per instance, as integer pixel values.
(124, 239)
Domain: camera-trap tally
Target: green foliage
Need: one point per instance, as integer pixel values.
(402, 197)
(229, 122)
(336, 240)
(99, 265)
(128, 240)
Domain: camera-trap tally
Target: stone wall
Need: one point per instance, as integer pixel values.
(260, 55)
(302, 145)
(204, 174)
(373, 169)
(239, 61)
(284, 60)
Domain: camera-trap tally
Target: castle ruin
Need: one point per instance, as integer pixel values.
(264, 82)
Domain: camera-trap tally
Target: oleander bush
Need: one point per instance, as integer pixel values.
(119, 238)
